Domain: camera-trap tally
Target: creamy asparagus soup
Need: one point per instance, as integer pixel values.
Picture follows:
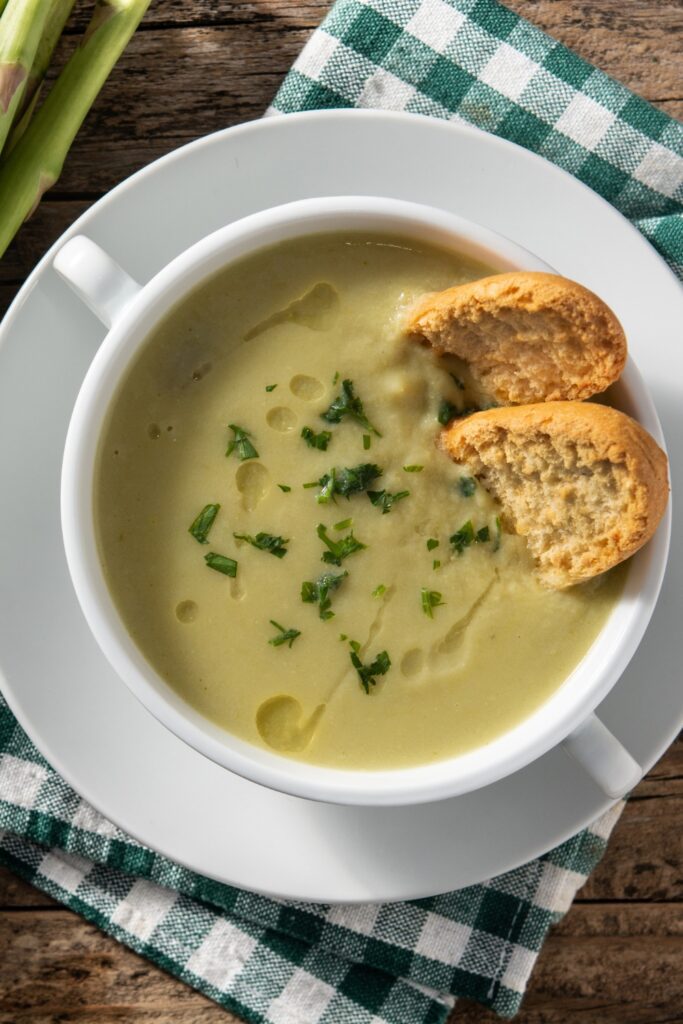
(284, 541)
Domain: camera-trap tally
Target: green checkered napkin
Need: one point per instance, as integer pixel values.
(280, 962)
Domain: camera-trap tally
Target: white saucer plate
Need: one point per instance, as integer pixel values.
(73, 706)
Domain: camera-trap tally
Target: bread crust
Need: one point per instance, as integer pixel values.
(588, 486)
(527, 336)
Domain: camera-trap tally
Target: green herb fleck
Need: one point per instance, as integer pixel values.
(338, 550)
(335, 379)
(367, 441)
(347, 403)
(413, 469)
(285, 488)
(285, 636)
(432, 543)
(431, 599)
(466, 535)
(318, 592)
(347, 481)
(447, 412)
(327, 485)
(271, 387)
(467, 486)
(499, 530)
(241, 444)
(379, 591)
(311, 483)
(319, 441)
(367, 673)
(343, 636)
(463, 537)
(265, 542)
(344, 524)
(203, 523)
(385, 500)
(221, 563)
(436, 564)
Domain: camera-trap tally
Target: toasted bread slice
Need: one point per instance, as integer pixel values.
(527, 337)
(585, 484)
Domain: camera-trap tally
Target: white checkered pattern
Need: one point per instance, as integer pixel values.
(143, 909)
(222, 955)
(585, 121)
(435, 23)
(20, 781)
(509, 71)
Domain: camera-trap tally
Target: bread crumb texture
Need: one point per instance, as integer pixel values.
(527, 337)
(585, 484)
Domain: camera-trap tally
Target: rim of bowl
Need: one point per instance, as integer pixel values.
(563, 711)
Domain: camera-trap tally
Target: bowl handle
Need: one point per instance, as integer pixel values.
(96, 278)
(601, 754)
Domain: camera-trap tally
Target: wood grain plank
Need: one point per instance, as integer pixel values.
(56, 967)
(16, 895)
(193, 13)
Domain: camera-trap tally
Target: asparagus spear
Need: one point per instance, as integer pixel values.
(54, 26)
(21, 27)
(36, 162)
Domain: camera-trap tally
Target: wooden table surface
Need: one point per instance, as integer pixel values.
(196, 66)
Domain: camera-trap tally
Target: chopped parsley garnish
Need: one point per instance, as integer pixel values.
(311, 483)
(385, 500)
(432, 543)
(447, 412)
(318, 592)
(413, 469)
(347, 403)
(221, 563)
(326, 483)
(367, 441)
(338, 550)
(285, 636)
(467, 486)
(319, 441)
(347, 481)
(431, 599)
(203, 523)
(379, 591)
(344, 524)
(285, 488)
(466, 535)
(271, 387)
(436, 564)
(265, 542)
(499, 530)
(367, 673)
(335, 379)
(241, 444)
(463, 537)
